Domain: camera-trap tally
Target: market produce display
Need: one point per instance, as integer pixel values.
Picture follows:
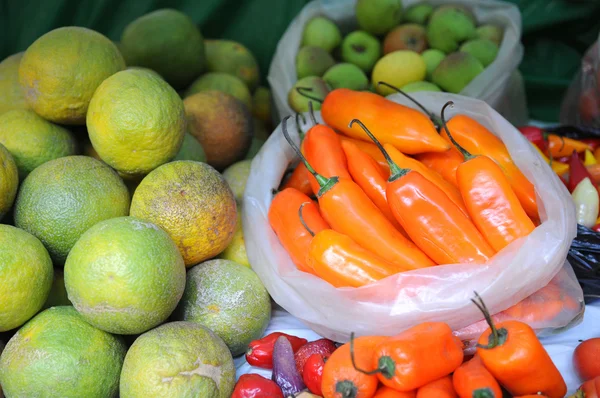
(419, 48)
(115, 212)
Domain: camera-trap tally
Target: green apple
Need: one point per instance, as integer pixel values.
(432, 58)
(313, 61)
(361, 49)
(448, 27)
(456, 71)
(490, 32)
(378, 16)
(418, 13)
(346, 75)
(483, 49)
(312, 86)
(321, 32)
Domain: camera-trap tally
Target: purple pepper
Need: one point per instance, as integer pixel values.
(285, 373)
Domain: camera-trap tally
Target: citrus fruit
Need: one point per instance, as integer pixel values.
(59, 354)
(236, 176)
(193, 203)
(13, 96)
(229, 299)
(178, 359)
(25, 276)
(168, 42)
(61, 70)
(236, 250)
(125, 275)
(64, 197)
(58, 292)
(233, 58)
(261, 104)
(223, 82)
(136, 122)
(222, 124)
(191, 149)
(9, 181)
(33, 140)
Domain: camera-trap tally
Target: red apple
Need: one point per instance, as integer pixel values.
(406, 37)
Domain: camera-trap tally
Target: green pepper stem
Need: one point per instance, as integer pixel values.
(300, 91)
(324, 183)
(302, 221)
(353, 360)
(463, 151)
(431, 116)
(311, 112)
(498, 336)
(300, 131)
(395, 170)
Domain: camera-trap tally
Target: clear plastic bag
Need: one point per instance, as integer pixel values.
(581, 104)
(439, 293)
(500, 84)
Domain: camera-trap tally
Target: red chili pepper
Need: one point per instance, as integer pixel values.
(255, 386)
(536, 136)
(260, 352)
(596, 228)
(592, 142)
(313, 372)
(324, 347)
(577, 171)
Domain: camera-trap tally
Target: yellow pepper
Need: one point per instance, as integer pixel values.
(589, 159)
(558, 167)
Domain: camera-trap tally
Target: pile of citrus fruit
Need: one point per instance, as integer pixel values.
(123, 269)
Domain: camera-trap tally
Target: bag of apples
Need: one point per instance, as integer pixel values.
(457, 46)
(352, 286)
(581, 105)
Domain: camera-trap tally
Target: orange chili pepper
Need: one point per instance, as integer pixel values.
(348, 209)
(368, 175)
(515, 357)
(544, 305)
(339, 260)
(559, 146)
(340, 377)
(478, 140)
(419, 355)
(490, 200)
(283, 217)
(405, 128)
(323, 149)
(406, 162)
(299, 179)
(472, 379)
(386, 392)
(440, 388)
(559, 168)
(445, 163)
(433, 221)
(371, 150)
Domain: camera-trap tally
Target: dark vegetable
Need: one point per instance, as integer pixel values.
(285, 373)
(324, 347)
(260, 352)
(584, 256)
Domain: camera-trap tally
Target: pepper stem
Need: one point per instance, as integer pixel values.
(462, 150)
(346, 388)
(483, 393)
(312, 113)
(395, 170)
(386, 365)
(324, 183)
(310, 231)
(300, 91)
(433, 118)
(498, 336)
(300, 131)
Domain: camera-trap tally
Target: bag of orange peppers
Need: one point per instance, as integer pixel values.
(398, 212)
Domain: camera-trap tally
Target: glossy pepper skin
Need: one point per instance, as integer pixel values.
(386, 392)
(300, 180)
(417, 356)
(445, 163)
(563, 146)
(440, 388)
(512, 353)
(536, 136)
(473, 380)
(313, 373)
(323, 150)
(283, 217)
(371, 150)
(478, 140)
(260, 352)
(368, 175)
(450, 190)
(339, 260)
(348, 210)
(589, 389)
(405, 128)
(256, 386)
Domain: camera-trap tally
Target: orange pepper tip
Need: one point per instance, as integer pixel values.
(386, 365)
(498, 336)
(433, 118)
(301, 91)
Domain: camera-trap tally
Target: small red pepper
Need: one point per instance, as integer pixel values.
(253, 385)
(536, 136)
(260, 352)
(313, 372)
(596, 228)
(577, 171)
(324, 347)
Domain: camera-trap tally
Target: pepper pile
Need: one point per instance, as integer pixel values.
(395, 195)
(577, 163)
(425, 361)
